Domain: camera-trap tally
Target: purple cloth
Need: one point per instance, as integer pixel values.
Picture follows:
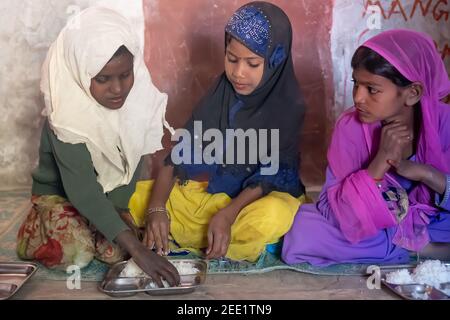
(351, 221)
(315, 237)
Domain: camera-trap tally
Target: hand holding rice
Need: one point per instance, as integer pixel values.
(132, 270)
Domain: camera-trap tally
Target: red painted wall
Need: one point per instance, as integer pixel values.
(185, 51)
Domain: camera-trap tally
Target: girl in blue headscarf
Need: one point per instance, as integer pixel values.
(240, 209)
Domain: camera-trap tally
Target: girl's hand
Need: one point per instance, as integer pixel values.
(427, 174)
(219, 235)
(156, 267)
(409, 169)
(157, 232)
(395, 138)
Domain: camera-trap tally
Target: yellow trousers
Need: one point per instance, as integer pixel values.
(190, 207)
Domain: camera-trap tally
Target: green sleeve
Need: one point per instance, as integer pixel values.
(82, 189)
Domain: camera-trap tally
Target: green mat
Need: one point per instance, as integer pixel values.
(15, 205)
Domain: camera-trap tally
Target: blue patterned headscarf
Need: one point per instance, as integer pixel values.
(252, 28)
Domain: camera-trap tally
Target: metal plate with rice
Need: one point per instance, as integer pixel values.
(13, 275)
(413, 291)
(117, 286)
(416, 291)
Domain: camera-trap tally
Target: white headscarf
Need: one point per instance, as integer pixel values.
(80, 52)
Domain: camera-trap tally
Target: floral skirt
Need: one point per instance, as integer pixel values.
(56, 235)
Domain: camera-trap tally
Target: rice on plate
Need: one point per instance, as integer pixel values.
(132, 270)
(430, 272)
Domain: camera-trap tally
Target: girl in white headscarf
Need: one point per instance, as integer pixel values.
(103, 114)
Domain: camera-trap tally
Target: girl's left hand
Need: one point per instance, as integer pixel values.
(409, 169)
(219, 235)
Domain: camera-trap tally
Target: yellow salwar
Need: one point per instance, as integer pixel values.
(190, 208)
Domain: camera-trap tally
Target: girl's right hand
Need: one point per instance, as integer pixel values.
(157, 267)
(395, 138)
(156, 234)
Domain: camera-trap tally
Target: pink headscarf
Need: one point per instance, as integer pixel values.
(415, 56)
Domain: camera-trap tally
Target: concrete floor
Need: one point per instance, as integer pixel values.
(278, 285)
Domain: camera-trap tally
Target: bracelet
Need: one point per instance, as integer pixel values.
(378, 182)
(157, 210)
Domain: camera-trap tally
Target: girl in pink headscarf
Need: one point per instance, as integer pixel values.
(388, 181)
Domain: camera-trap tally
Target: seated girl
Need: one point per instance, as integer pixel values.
(387, 189)
(229, 208)
(103, 114)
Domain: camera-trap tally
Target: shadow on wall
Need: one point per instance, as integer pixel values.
(185, 52)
